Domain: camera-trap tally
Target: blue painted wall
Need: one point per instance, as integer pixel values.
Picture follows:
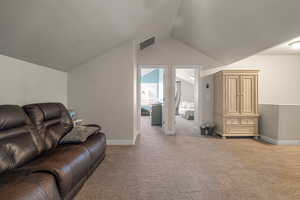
(156, 76)
(152, 77)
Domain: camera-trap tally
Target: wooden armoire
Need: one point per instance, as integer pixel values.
(236, 103)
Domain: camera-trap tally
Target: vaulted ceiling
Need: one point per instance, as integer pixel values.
(283, 49)
(230, 30)
(65, 33)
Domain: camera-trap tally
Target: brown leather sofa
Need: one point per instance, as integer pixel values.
(33, 165)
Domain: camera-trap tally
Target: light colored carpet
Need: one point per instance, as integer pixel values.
(184, 127)
(181, 167)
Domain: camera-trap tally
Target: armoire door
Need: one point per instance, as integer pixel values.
(232, 94)
(248, 94)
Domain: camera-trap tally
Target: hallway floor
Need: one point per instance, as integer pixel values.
(184, 127)
(182, 167)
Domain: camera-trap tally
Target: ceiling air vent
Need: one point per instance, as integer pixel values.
(147, 43)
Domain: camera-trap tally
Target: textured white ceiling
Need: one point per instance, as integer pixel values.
(186, 74)
(283, 49)
(235, 29)
(65, 33)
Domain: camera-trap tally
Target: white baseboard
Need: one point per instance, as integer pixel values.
(123, 142)
(279, 142)
(120, 142)
(288, 142)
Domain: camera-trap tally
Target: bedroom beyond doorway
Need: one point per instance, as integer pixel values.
(151, 95)
(168, 96)
(185, 100)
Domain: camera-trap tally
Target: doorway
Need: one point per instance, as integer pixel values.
(187, 105)
(157, 103)
(151, 96)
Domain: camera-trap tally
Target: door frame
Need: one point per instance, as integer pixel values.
(169, 127)
(166, 97)
(197, 95)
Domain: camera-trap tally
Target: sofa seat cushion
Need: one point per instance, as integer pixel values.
(36, 186)
(95, 145)
(68, 164)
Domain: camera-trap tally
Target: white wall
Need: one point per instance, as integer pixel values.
(24, 83)
(170, 51)
(206, 98)
(279, 124)
(279, 78)
(187, 90)
(102, 91)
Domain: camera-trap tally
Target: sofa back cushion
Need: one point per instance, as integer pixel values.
(52, 121)
(18, 139)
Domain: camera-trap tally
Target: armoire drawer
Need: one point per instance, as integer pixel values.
(249, 121)
(241, 129)
(233, 121)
